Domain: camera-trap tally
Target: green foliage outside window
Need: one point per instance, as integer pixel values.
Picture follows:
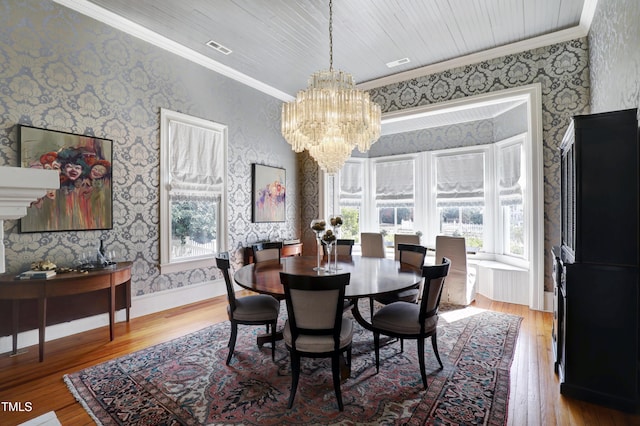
(193, 219)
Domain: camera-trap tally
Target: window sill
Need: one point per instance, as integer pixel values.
(186, 265)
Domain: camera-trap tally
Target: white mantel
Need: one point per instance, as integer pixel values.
(19, 187)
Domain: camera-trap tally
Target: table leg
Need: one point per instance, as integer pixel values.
(15, 313)
(112, 307)
(42, 320)
(127, 296)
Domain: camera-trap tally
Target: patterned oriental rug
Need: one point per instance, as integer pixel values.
(186, 382)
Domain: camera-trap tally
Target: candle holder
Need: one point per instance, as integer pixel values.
(336, 223)
(318, 227)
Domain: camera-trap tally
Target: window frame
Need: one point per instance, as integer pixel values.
(167, 265)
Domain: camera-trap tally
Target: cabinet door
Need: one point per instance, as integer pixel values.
(606, 156)
(601, 341)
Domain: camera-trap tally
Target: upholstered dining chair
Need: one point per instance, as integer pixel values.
(404, 239)
(372, 244)
(259, 309)
(315, 327)
(406, 320)
(344, 247)
(460, 288)
(266, 251)
(412, 255)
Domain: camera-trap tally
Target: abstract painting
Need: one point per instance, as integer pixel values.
(85, 198)
(269, 194)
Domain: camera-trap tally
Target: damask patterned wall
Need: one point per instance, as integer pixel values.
(63, 71)
(563, 73)
(614, 56)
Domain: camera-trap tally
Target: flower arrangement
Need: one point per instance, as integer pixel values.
(328, 237)
(318, 225)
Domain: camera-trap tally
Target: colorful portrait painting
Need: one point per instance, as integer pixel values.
(84, 163)
(269, 194)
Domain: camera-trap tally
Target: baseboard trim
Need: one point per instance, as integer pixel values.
(140, 306)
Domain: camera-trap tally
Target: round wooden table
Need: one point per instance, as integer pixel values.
(369, 276)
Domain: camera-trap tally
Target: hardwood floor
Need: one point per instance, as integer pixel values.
(534, 400)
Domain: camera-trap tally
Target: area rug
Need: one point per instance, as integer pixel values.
(186, 382)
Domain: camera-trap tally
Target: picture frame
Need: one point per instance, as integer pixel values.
(268, 193)
(85, 199)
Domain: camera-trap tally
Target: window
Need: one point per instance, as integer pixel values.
(510, 198)
(460, 196)
(351, 195)
(192, 191)
(394, 196)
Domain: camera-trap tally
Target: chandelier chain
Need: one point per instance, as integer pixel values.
(330, 35)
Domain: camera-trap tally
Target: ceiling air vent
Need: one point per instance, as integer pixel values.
(398, 62)
(220, 48)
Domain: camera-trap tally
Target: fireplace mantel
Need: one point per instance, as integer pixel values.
(19, 187)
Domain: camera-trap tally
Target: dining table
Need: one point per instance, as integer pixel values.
(369, 276)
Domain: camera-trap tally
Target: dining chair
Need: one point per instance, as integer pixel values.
(372, 244)
(404, 239)
(343, 247)
(266, 251)
(259, 309)
(460, 288)
(315, 327)
(406, 320)
(412, 255)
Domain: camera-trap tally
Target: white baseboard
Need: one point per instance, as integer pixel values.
(140, 306)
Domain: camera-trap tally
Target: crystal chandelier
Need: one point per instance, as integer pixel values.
(331, 117)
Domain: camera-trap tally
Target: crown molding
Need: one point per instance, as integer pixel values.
(485, 55)
(118, 22)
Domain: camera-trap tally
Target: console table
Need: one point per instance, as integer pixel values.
(62, 285)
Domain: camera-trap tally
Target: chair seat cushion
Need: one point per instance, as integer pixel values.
(401, 318)
(320, 344)
(410, 295)
(260, 307)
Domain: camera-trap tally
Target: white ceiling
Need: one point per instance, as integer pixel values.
(277, 44)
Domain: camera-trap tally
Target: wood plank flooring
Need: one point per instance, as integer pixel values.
(534, 400)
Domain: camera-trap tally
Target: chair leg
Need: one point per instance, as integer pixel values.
(421, 360)
(401, 345)
(434, 343)
(376, 345)
(273, 341)
(371, 307)
(295, 375)
(335, 368)
(232, 340)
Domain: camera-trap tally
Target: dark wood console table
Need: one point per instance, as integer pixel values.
(61, 285)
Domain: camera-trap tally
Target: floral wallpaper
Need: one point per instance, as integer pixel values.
(64, 71)
(614, 56)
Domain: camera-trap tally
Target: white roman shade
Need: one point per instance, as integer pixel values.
(395, 181)
(509, 170)
(460, 176)
(351, 180)
(194, 170)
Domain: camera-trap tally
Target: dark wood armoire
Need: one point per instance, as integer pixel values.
(596, 333)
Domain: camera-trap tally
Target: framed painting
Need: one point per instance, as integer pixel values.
(269, 194)
(85, 198)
